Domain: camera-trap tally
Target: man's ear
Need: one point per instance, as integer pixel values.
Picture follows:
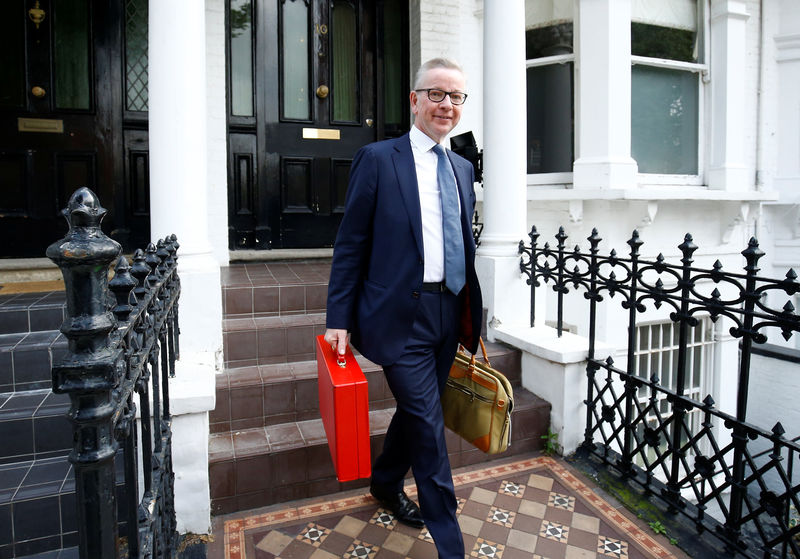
(413, 99)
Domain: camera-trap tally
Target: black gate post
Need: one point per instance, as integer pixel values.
(752, 254)
(88, 371)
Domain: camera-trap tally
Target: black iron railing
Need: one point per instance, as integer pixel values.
(123, 343)
(693, 456)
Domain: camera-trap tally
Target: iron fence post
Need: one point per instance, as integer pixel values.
(751, 254)
(529, 269)
(88, 372)
(560, 287)
(678, 412)
(630, 386)
(591, 367)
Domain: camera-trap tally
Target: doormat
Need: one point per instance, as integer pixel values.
(529, 508)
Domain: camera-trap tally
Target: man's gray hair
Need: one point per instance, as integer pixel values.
(434, 63)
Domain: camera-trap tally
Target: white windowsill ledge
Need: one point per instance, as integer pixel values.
(541, 193)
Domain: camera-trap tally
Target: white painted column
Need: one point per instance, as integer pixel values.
(603, 95)
(178, 204)
(178, 172)
(727, 169)
(505, 295)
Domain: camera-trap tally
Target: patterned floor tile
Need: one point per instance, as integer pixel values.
(314, 534)
(612, 548)
(384, 519)
(554, 531)
(486, 549)
(534, 507)
(511, 488)
(501, 517)
(361, 550)
(557, 500)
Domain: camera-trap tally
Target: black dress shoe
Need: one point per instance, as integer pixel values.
(404, 509)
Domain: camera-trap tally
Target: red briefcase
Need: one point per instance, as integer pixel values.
(344, 407)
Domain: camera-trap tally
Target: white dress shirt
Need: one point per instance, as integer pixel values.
(430, 202)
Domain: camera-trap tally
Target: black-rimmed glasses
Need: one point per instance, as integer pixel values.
(437, 95)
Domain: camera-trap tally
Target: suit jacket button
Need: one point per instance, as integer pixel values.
(415, 294)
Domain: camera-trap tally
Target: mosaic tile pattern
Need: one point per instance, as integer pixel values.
(528, 508)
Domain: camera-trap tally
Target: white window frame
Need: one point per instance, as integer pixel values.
(562, 178)
(666, 179)
(707, 346)
(656, 179)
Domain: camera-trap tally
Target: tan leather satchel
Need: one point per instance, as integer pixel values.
(477, 403)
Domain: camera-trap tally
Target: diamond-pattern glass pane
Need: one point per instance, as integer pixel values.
(136, 55)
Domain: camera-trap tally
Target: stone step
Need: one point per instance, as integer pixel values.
(259, 289)
(26, 359)
(269, 340)
(261, 466)
(258, 396)
(31, 312)
(38, 516)
(34, 425)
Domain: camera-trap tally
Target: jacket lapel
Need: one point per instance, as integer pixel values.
(406, 172)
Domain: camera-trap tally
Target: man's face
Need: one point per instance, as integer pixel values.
(436, 120)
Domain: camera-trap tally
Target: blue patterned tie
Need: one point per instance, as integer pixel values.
(451, 224)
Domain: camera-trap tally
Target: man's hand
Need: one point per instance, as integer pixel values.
(338, 339)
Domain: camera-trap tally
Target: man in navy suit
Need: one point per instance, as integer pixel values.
(389, 292)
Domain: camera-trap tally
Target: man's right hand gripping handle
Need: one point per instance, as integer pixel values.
(338, 339)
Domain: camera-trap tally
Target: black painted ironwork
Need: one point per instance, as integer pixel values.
(642, 428)
(477, 228)
(123, 343)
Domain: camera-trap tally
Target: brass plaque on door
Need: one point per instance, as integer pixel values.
(321, 134)
(51, 125)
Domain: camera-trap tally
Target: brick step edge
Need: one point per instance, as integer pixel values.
(247, 470)
(255, 396)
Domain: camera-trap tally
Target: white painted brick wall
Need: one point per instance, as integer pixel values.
(452, 29)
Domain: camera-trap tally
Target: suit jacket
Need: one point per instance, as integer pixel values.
(377, 269)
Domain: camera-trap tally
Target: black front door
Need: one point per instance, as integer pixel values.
(56, 122)
(304, 89)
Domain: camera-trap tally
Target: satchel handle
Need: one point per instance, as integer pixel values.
(485, 357)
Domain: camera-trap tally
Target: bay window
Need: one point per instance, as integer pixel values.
(666, 87)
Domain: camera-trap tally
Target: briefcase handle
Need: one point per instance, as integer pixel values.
(341, 360)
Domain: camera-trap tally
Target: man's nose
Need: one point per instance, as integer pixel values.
(447, 102)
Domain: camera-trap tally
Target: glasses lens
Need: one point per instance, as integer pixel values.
(457, 98)
(436, 95)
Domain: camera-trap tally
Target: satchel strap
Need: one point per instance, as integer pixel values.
(483, 350)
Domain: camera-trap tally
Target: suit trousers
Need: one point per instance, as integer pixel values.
(415, 438)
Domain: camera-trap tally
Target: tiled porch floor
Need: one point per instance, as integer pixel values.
(533, 506)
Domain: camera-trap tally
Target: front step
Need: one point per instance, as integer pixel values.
(267, 442)
(265, 465)
(265, 395)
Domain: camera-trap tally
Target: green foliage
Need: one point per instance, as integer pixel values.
(657, 527)
(550, 443)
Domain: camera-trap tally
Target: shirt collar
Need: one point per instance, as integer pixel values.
(420, 140)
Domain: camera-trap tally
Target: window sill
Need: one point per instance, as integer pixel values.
(555, 193)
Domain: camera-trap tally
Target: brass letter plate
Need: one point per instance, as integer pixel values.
(55, 126)
(321, 134)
